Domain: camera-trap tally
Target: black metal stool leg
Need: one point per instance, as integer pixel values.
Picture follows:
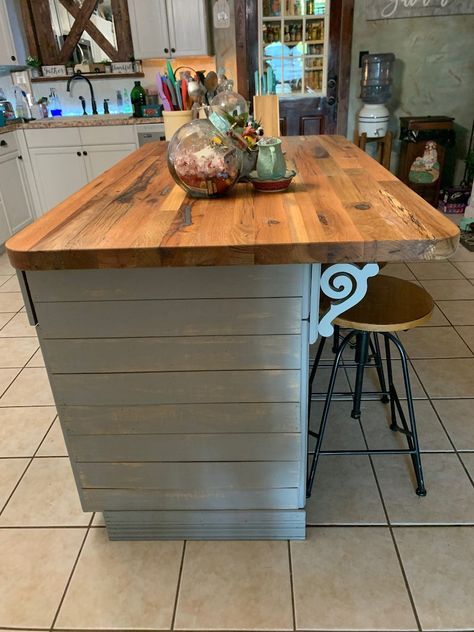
(375, 350)
(391, 387)
(325, 415)
(411, 433)
(335, 338)
(362, 352)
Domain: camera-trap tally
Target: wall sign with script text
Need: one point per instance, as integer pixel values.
(389, 9)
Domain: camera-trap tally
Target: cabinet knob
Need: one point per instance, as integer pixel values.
(3, 143)
(331, 100)
(173, 50)
(84, 153)
(79, 153)
(13, 58)
(20, 157)
(166, 50)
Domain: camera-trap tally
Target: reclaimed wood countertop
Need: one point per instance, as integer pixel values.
(342, 207)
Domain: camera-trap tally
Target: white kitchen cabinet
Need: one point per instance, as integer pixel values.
(15, 208)
(13, 193)
(7, 46)
(169, 28)
(149, 24)
(59, 172)
(188, 27)
(12, 45)
(63, 160)
(99, 159)
(4, 228)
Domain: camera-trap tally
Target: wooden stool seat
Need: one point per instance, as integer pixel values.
(390, 304)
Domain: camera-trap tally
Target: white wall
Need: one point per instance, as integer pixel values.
(434, 70)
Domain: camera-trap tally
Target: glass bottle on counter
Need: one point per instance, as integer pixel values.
(138, 97)
(119, 102)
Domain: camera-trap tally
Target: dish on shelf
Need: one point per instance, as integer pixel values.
(272, 186)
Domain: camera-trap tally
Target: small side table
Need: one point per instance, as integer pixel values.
(422, 153)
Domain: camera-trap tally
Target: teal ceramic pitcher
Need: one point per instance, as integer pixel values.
(271, 163)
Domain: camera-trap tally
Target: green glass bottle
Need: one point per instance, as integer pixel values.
(138, 98)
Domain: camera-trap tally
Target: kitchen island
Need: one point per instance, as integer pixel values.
(176, 331)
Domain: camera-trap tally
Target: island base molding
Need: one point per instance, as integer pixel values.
(206, 525)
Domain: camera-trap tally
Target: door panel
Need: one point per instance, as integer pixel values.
(304, 116)
(149, 27)
(187, 27)
(59, 172)
(99, 159)
(13, 193)
(4, 228)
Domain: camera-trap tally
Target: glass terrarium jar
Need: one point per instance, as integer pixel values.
(204, 162)
(229, 101)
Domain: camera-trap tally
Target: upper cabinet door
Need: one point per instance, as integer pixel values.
(7, 47)
(149, 27)
(188, 27)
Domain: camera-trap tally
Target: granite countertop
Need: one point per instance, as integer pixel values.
(100, 120)
(342, 206)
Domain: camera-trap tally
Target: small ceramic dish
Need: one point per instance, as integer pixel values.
(272, 186)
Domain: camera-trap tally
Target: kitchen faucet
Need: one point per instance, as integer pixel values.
(93, 102)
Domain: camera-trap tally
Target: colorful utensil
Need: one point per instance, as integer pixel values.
(164, 99)
(167, 92)
(184, 94)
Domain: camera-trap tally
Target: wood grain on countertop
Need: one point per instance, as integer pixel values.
(342, 206)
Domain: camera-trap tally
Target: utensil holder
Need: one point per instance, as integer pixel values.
(174, 120)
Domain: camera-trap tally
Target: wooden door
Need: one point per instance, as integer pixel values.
(302, 115)
(59, 172)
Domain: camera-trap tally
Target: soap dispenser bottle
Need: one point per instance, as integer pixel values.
(55, 103)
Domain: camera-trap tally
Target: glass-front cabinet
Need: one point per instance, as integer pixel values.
(293, 43)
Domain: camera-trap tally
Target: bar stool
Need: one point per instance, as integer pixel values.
(390, 305)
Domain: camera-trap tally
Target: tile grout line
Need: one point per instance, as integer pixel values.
(392, 535)
(27, 467)
(74, 566)
(292, 588)
(444, 428)
(178, 586)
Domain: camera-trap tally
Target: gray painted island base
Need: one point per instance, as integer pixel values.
(182, 394)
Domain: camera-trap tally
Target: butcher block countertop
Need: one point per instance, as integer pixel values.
(342, 207)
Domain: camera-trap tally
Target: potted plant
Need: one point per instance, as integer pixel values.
(107, 65)
(70, 67)
(34, 65)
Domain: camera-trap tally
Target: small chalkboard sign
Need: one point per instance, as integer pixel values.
(54, 71)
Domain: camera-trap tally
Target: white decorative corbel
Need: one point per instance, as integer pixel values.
(346, 285)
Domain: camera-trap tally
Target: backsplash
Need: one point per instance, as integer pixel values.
(105, 88)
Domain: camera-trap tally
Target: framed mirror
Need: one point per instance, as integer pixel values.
(79, 31)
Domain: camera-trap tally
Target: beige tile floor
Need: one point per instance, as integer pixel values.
(377, 557)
